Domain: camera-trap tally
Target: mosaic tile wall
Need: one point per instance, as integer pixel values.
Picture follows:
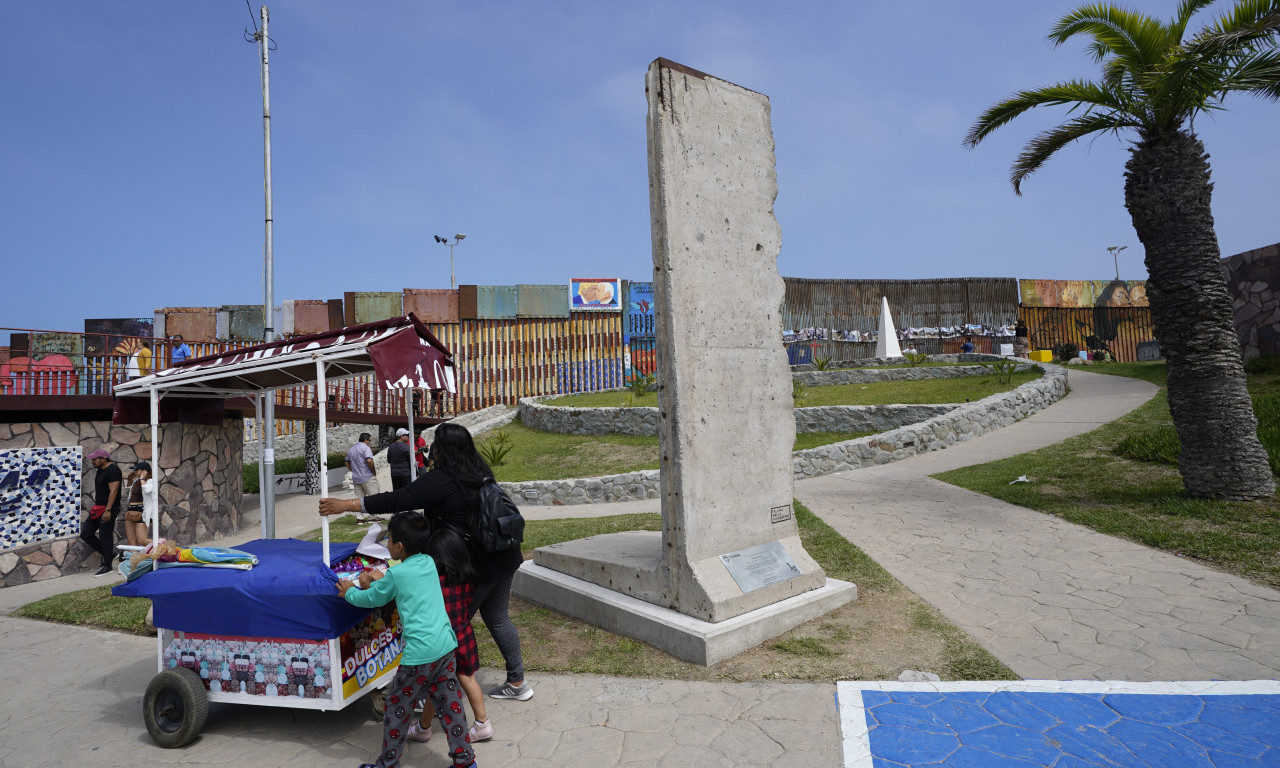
(39, 494)
(200, 491)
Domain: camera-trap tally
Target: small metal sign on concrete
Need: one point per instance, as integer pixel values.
(757, 567)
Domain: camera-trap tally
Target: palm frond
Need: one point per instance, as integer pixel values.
(1248, 23)
(1133, 37)
(1186, 9)
(1077, 93)
(1258, 74)
(1044, 145)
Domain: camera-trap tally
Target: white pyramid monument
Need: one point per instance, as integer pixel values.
(887, 341)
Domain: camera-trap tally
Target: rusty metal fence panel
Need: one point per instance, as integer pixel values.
(1120, 329)
(834, 318)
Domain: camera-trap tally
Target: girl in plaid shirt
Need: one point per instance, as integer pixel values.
(453, 561)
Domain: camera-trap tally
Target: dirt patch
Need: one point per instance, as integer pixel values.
(875, 638)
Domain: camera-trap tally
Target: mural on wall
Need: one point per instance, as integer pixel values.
(597, 294)
(103, 336)
(1083, 293)
(39, 494)
(638, 340)
(52, 375)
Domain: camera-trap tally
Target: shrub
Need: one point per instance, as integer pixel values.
(495, 450)
(822, 363)
(289, 466)
(797, 391)
(914, 358)
(639, 383)
(1065, 351)
(1004, 370)
(1263, 364)
(1267, 409)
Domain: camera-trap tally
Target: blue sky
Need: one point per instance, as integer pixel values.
(131, 138)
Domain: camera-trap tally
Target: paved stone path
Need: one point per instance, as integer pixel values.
(1051, 599)
(73, 696)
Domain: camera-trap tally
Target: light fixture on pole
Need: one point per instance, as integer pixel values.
(1115, 255)
(453, 283)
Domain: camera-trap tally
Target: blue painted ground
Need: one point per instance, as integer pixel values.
(1061, 729)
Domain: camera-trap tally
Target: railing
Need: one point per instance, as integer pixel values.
(54, 363)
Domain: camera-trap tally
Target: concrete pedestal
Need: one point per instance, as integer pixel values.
(686, 638)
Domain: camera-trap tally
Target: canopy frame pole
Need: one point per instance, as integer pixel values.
(155, 523)
(322, 401)
(257, 423)
(155, 461)
(413, 436)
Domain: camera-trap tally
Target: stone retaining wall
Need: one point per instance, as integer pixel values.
(955, 425)
(864, 375)
(958, 425)
(537, 414)
(864, 418)
(199, 493)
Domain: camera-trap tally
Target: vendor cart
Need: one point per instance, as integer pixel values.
(277, 633)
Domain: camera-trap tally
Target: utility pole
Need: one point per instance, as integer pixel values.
(266, 493)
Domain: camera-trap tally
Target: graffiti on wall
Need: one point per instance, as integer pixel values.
(1083, 293)
(39, 494)
(103, 336)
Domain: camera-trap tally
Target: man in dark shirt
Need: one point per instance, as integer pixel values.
(399, 456)
(98, 532)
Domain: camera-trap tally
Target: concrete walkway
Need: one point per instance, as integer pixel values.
(1051, 599)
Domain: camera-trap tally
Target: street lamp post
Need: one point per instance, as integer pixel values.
(453, 283)
(1115, 256)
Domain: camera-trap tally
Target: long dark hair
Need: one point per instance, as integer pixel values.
(454, 453)
(453, 558)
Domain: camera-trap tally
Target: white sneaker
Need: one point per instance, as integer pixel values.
(481, 731)
(520, 692)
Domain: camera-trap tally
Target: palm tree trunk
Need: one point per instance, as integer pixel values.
(1168, 193)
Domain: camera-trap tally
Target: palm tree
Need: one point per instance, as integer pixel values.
(1154, 82)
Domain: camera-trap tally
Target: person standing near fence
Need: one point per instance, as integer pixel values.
(399, 455)
(181, 351)
(98, 530)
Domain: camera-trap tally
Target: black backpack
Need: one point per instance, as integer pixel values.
(499, 526)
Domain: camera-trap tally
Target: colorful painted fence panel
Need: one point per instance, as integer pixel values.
(39, 494)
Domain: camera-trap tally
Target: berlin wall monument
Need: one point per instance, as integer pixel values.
(727, 571)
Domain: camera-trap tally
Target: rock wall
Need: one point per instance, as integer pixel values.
(864, 375)
(955, 424)
(1254, 280)
(542, 413)
(199, 494)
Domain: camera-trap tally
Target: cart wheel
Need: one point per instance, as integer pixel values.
(378, 703)
(175, 707)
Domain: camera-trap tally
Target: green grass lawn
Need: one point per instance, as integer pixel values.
(538, 455)
(1093, 479)
(927, 391)
(969, 388)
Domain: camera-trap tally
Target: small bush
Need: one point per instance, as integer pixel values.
(822, 362)
(1159, 446)
(289, 466)
(639, 383)
(915, 358)
(797, 392)
(1065, 351)
(1004, 370)
(1263, 364)
(496, 449)
(1267, 409)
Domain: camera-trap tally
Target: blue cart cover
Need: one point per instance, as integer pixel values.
(288, 594)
